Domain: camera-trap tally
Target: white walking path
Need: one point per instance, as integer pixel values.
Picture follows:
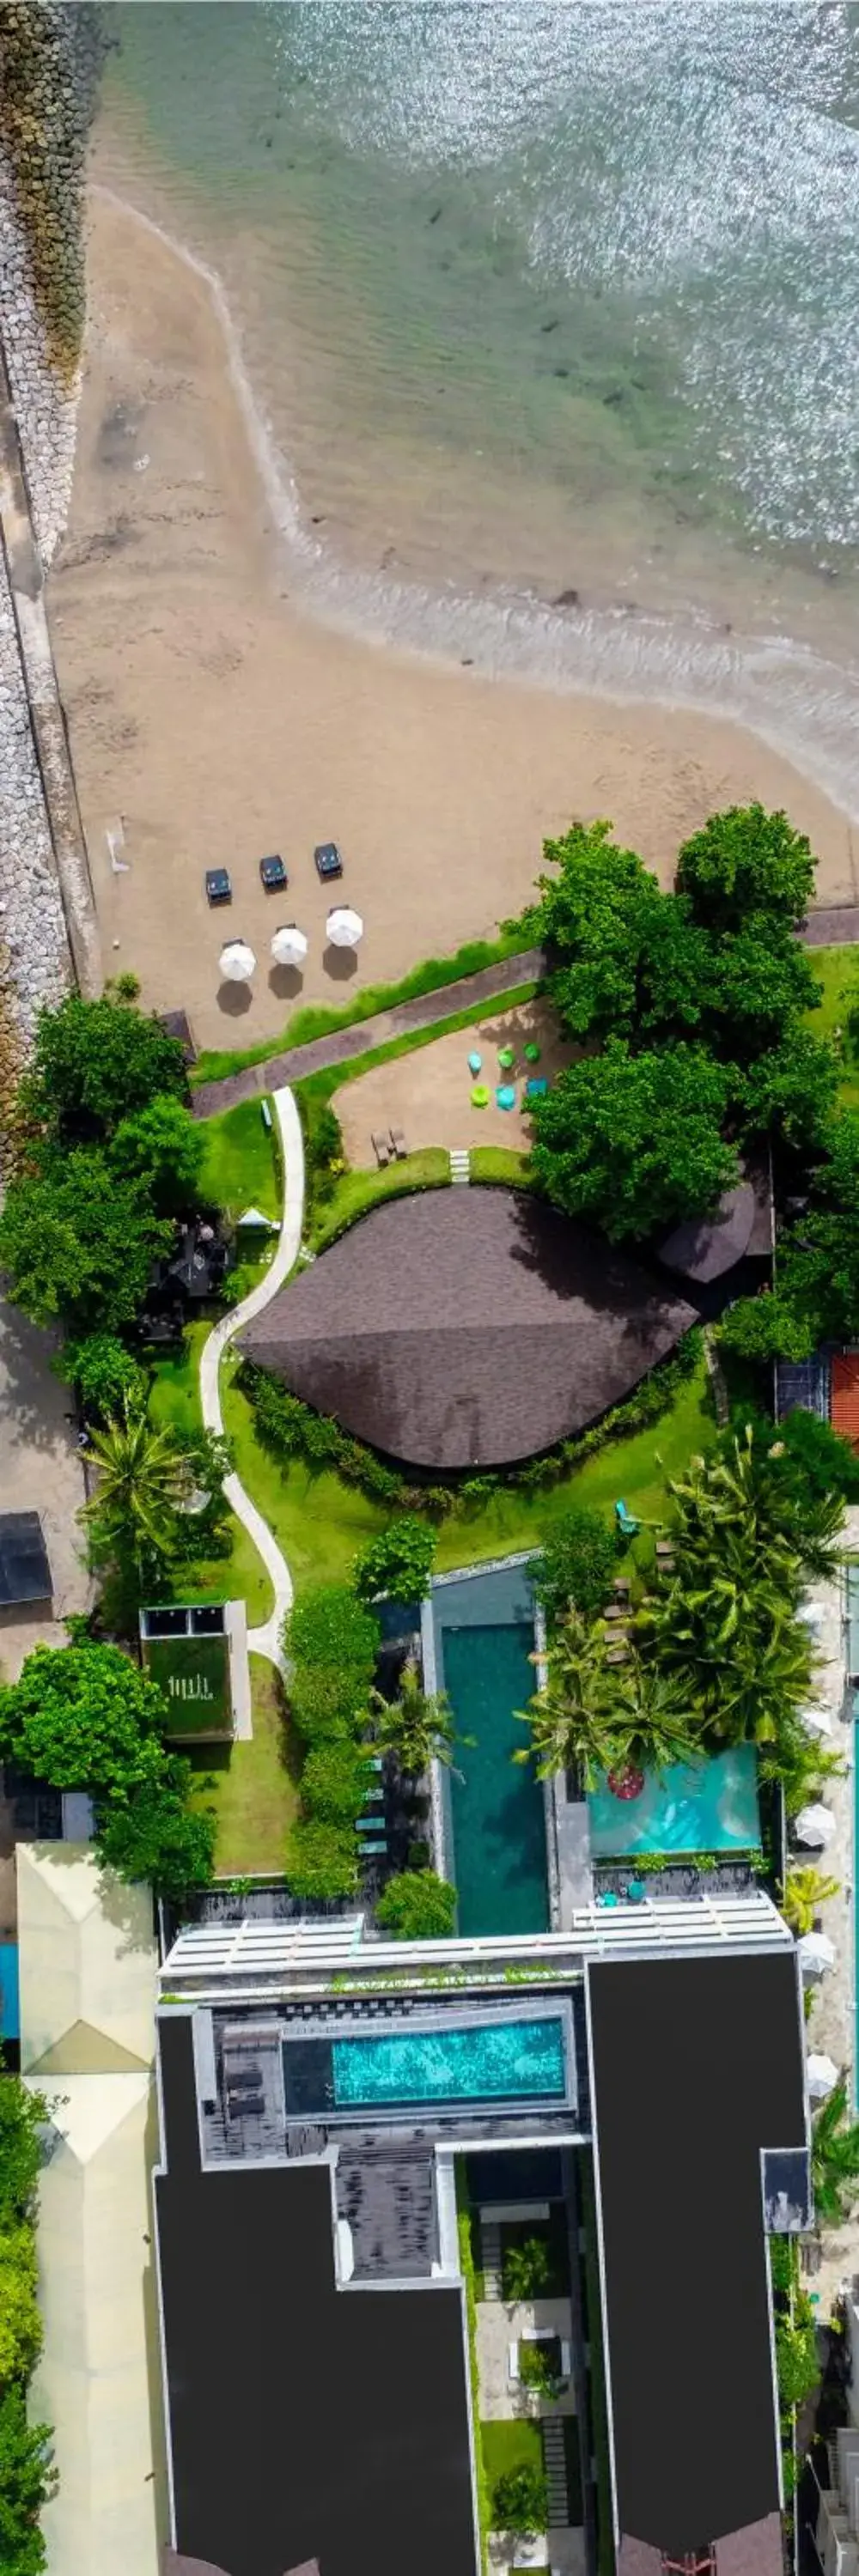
(266, 1640)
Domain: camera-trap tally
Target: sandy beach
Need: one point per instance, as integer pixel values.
(217, 721)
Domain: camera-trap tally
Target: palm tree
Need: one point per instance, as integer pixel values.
(418, 1726)
(835, 2157)
(143, 1479)
(803, 1894)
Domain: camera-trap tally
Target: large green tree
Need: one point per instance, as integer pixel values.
(635, 1141)
(746, 861)
(78, 1245)
(95, 1064)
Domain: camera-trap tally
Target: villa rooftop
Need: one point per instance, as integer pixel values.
(459, 1328)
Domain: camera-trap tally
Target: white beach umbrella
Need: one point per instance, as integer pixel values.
(236, 962)
(343, 927)
(816, 1952)
(822, 2077)
(814, 1826)
(289, 946)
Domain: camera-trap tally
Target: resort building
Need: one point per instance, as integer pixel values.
(352, 2133)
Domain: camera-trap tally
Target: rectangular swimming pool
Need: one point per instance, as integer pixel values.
(511, 2061)
(709, 1806)
(497, 1811)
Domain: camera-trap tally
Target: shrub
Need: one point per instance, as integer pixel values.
(334, 1781)
(328, 1626)
(321, 1861)
(576, 1564)
(519, 2501)
(398, 1563)
(417, 1906)
(106, 1374)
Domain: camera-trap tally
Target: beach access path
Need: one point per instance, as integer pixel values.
(341, 1046)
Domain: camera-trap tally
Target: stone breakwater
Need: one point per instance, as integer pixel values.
(44, 890)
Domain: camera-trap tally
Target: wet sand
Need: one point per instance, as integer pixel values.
(218, 721)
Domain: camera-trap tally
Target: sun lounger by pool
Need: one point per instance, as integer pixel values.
(399, 1144)
(480, 1096)
(536, 1087)
(382, 1148)
(506, 1095)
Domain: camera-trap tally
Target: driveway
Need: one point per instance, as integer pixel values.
(40, 1471)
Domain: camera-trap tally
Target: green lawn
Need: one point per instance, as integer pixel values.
(252, 1787)
(242, 1166)
(509, 2442)
(838, 972)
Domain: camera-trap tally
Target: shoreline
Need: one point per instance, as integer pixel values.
(778, 687)
(222, 704)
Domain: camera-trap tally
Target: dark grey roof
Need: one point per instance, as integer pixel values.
(463, 1327)
(697, 2067)
(25, 1574)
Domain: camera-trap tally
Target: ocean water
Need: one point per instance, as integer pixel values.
(548, 315)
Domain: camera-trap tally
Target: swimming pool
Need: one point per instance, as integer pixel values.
(511, 2061)
(696, 1806)
(497, 1812)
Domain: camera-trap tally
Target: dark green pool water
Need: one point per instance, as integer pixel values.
(498, 1830)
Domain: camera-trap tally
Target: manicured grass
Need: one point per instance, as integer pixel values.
(252, 1786)
(509, 2442)
(319, 1019)
(242, 1164)
(359, 1190)
(838, 972)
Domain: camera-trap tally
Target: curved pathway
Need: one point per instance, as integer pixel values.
(267, 1639)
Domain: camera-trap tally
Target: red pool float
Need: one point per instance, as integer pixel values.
(626, 1784)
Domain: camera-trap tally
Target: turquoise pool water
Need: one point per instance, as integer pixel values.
(499, 1838)
(696, 1806)
(482, 2062)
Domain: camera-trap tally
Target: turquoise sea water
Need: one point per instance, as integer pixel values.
(539, 304)
(491, 2061)
(707, 1806)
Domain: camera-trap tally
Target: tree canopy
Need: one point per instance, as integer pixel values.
(635, 1141)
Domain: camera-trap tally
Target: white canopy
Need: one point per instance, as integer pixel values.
(343, 927)
(822, 2077)
(236, 962)
(816, 1953)
(814, 1826)
(289, 946)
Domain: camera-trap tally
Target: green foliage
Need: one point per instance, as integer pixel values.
(96, 1064)
(334, 1781)
(27, 2481)
(527, 2269)
(746, 862)
(78, 1244)
(634, 1141)
(417, 1906)
(519, 2501)
(328, 1626)
(398, 1564)
(106, 1374)
(321, 1860)
(576, 1564)
(20, 2322)
(163, 1149)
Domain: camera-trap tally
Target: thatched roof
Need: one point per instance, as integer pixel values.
(466, 1327)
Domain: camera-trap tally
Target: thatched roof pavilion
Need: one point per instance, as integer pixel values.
(467, 1327)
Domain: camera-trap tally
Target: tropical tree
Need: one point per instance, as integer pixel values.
(803, 1894)
(835, 2157)
(143, 1479)
(417, 1726)
(635, 1141)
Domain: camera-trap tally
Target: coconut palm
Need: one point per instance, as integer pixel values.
(417, 1726)
(835, 2157)
(143, 1479)
(803, 1894)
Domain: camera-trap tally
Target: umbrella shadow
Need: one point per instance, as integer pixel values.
(340, 963)
(234, 999)
(285, 982)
